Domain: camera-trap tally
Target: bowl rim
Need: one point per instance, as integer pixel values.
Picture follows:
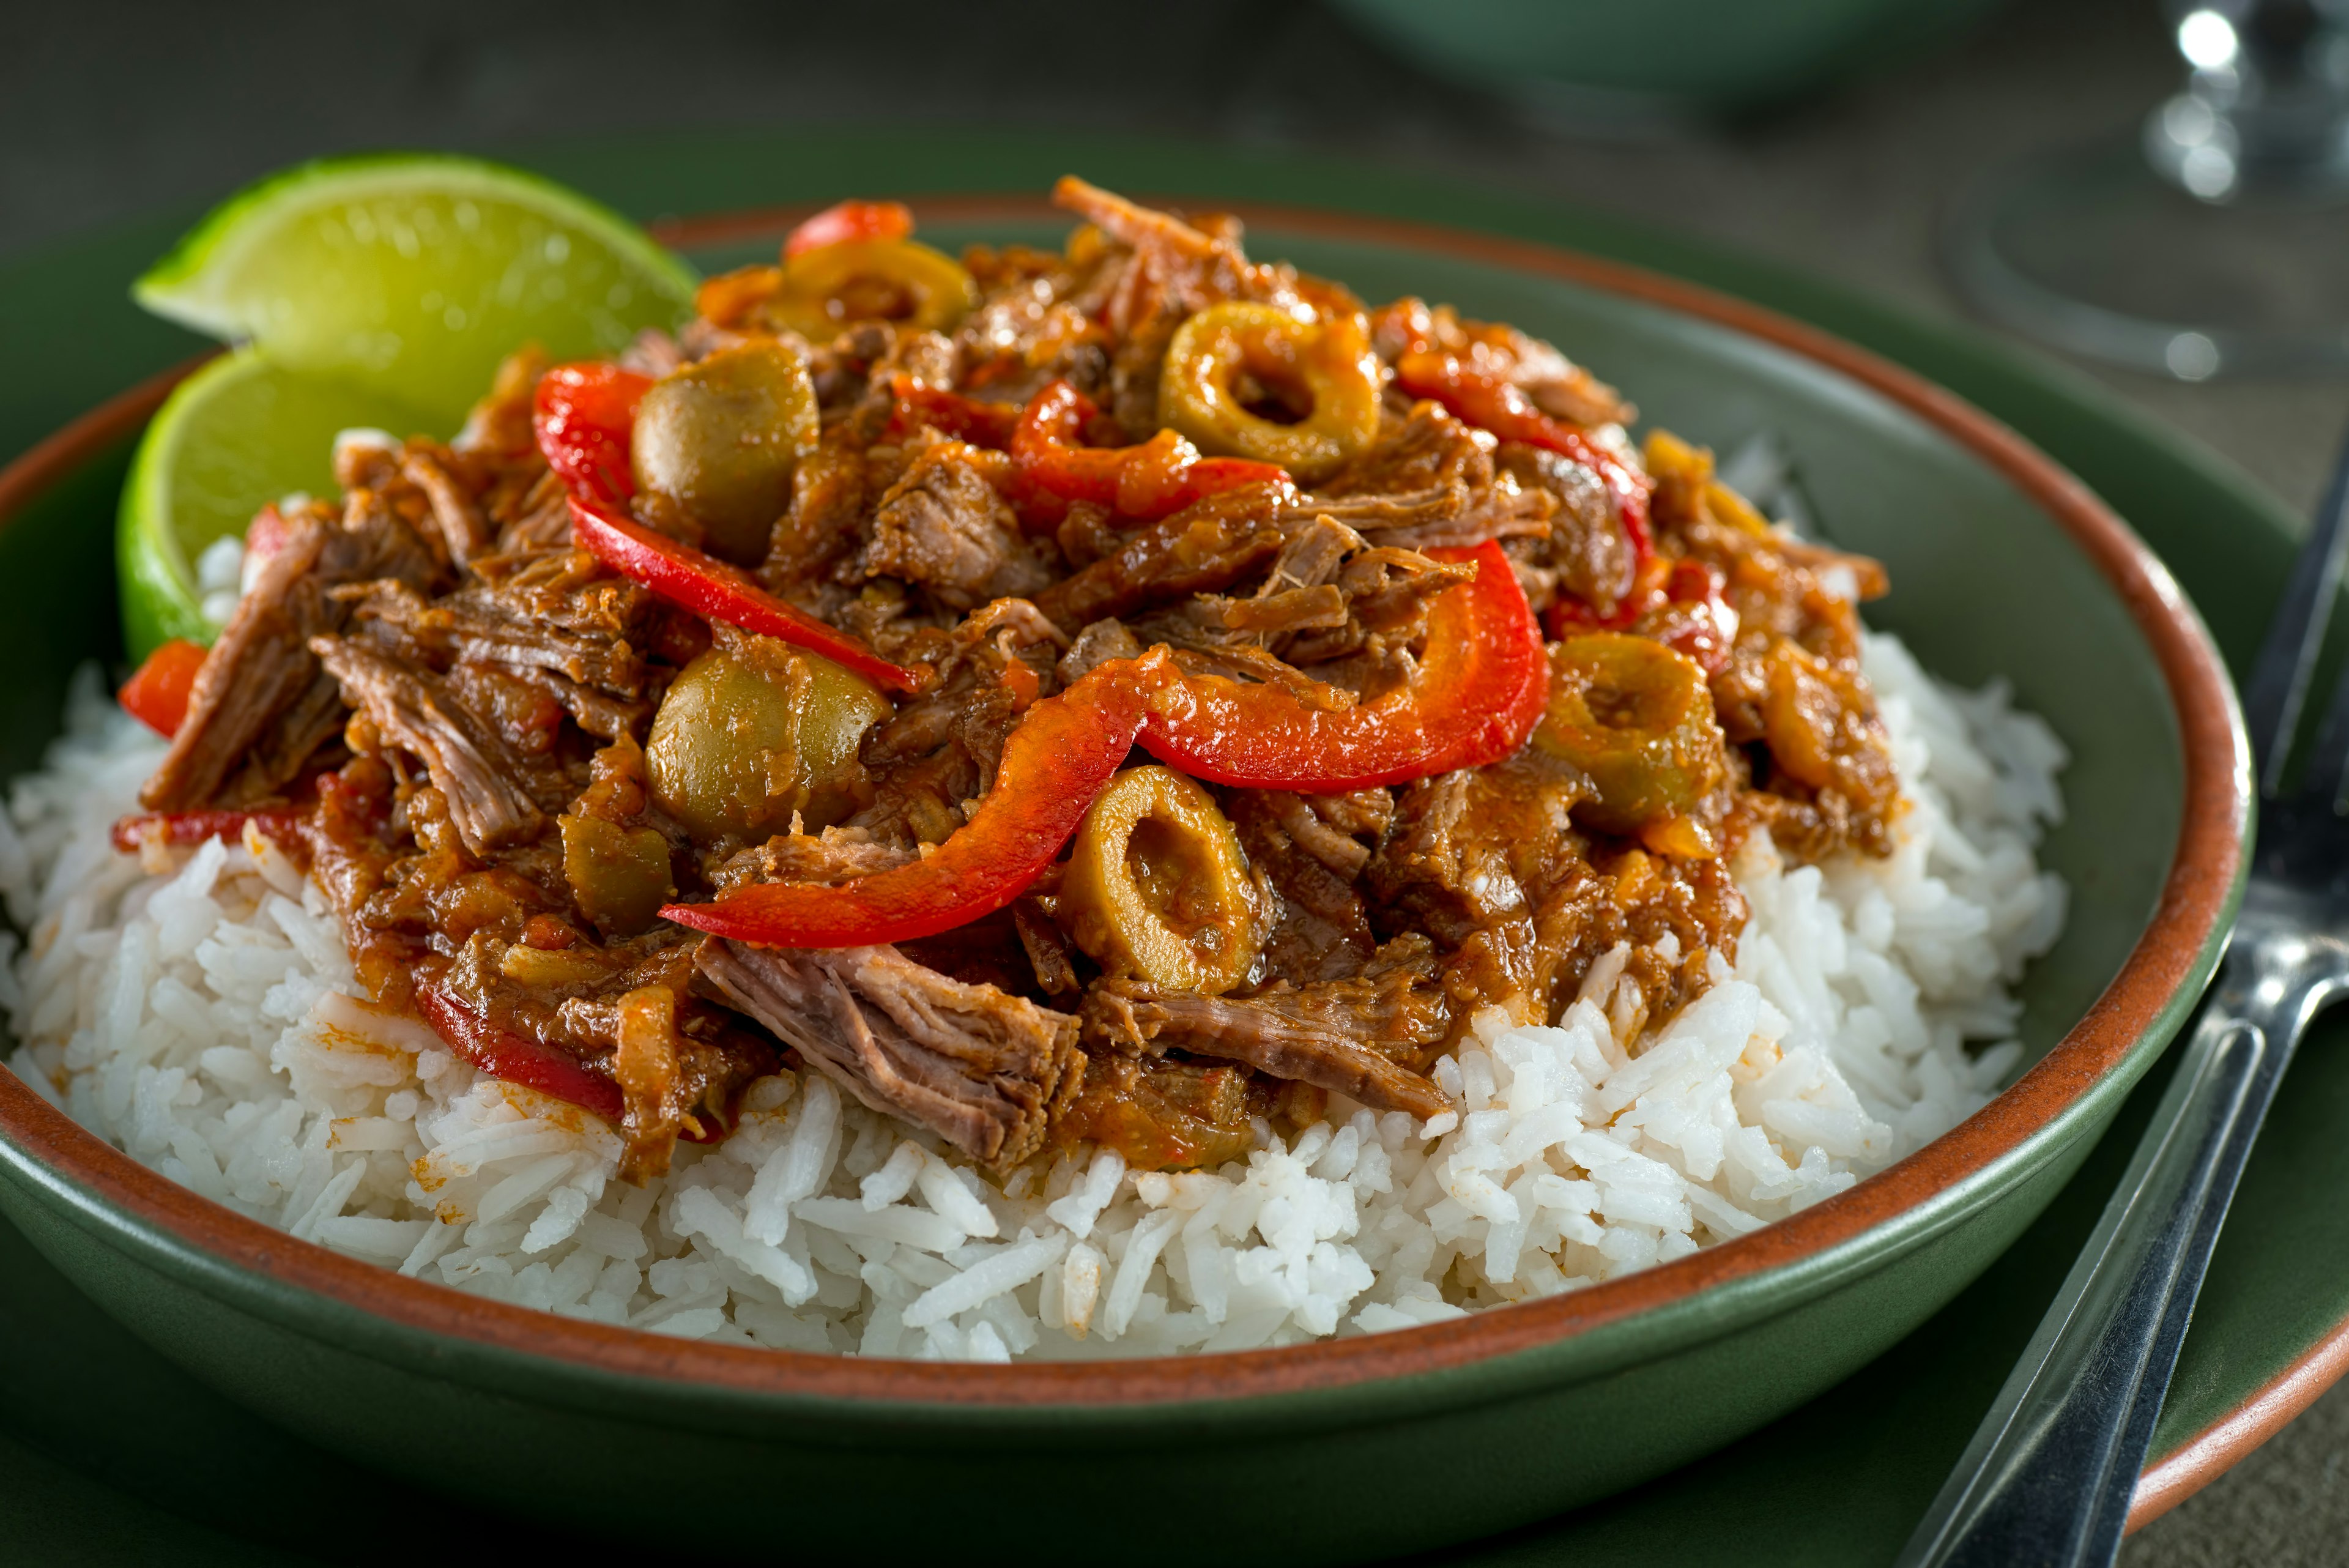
(2174, 951)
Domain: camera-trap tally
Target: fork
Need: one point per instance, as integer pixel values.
(2047, 1480)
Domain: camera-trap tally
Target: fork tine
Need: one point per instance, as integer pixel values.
(2278, 688)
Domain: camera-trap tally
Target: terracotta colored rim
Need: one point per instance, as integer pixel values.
(2194, 901)
(2220, 1446)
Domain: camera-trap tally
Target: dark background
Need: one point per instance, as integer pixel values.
(111, 111)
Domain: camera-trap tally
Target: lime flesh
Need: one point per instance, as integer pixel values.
(376, 292)
(414, 275)
(238, 434)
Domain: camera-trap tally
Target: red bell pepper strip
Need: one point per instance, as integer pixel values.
(965, 419)
(131, 833)
(156, 694)
(716, 590)
(1060, 757)
(583, 416)
(1706, 628)
(1162, 475)
(1702, 624)
(1482, 686)
(1491, 401)
(515, 1058)
(1650, 576)
(850, 221)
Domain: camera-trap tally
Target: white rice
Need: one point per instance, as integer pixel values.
(196, 1007)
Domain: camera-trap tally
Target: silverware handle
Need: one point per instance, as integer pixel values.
(2047, 1479)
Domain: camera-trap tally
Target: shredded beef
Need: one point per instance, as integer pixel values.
(1161, 1112)
(1486, 861)
(1204, 548)
(841, 368)
(1322, 828)
(940, 751)
(1793, 691)
(1383, 593)
(514, 623)
(1274, 616)
(1296, 596)
(652, 352)
(1341, 1035)
(833, 856)
(1030, 329)
(540, 520)
(825, 519)
(1430, 481)
(464, 532)
(1557, 386)
(1097, 645)
(1319, 928)
(944, 526)
(1424, 449)
(981, 1069)
(919, 800)
(1310, 557)
(474, 768)
(501, 422)
(1586, 554)
(1204, 643)
(261, 704)
(1050, 954)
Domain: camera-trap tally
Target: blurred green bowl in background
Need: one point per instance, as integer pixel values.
(1658, 60)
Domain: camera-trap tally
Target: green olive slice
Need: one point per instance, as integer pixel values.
(1157, 887)
(902, 281)
(1637, 719)
(1245, 379)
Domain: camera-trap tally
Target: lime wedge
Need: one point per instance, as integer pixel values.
(239, 433)
(412, 276)
(377, 292)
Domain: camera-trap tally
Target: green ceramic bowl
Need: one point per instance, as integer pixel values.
(2001, 564)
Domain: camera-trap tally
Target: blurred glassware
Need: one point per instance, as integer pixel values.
(1605, 65)
(2209, 242)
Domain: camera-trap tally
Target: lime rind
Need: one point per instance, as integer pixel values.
(239, 433)
(156, 584)
(156, 580)
(188, 285)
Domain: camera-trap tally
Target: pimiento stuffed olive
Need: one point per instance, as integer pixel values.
(1256, 381)
(718, 440)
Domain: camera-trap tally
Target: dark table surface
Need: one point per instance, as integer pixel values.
(109, 111)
